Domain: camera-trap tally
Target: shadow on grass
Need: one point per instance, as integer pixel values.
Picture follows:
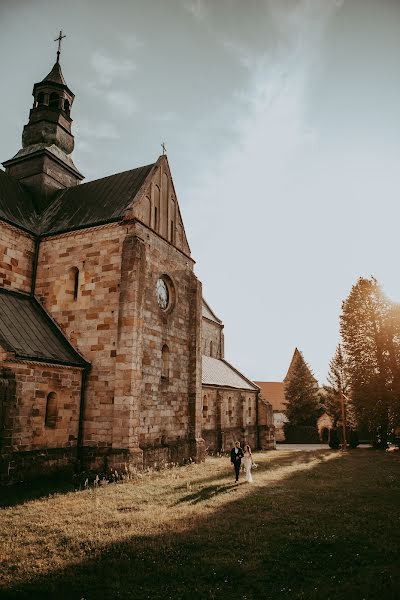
(327, 539)
(35, 490)
(207, 493)
(20, 493)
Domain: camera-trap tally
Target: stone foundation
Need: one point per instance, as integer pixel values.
(25, 466)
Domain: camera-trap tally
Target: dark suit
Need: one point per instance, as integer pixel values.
(236, 460)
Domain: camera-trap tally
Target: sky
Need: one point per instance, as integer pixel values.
(281, 120)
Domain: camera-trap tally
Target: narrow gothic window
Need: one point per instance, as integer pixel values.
(155, 217)
(54, 101)
(165, 362)
(75, 276)
(211, 349)
(66, 106)
(172, 231)
(205, 406)
(51, 410)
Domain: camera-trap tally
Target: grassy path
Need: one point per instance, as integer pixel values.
(314, 525)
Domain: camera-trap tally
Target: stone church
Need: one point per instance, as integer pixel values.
(109, 354)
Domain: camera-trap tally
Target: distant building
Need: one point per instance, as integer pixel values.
(274, 392)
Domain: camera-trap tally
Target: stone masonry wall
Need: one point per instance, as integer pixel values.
(30, 445)
(164, 412)
(16, 255)
(26, 419)
(91, 320)
(229, 415)
(211, 333)
(116, 323)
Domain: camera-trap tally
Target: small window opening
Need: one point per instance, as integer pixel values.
(165, 362)
(67, 106)
(74, 282)
(51, 410)
(54, 101)
(211, 349)
(172, 231)
(40, 99)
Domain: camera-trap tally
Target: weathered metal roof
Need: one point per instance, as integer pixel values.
(27, 330)
(55, 75)
(16, 204)
(220, 373)
(93, 203)
(209, 314)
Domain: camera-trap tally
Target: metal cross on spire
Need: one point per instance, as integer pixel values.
(60, 37)
(164, 150)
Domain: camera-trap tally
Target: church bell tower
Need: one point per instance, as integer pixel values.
(43, 165)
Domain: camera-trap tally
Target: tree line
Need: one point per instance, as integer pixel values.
(365, 368)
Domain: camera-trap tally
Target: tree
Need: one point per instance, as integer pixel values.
(370, 330)
(338, 381)
(301, 393)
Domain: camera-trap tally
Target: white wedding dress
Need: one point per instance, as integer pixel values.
(248, 463)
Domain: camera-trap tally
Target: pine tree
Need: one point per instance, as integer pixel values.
(370, 330)
(301, 393)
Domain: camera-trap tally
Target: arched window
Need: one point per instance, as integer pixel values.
(72, 284)
(172, 232)
(156, 207)
(205, 407)
(40, 99)
(165, 362)
(51, 410)
(67, 106)
(54, 101)
(211, 349)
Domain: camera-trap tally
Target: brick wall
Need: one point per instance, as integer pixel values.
(16, 255)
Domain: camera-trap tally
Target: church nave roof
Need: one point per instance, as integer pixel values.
(219, 372)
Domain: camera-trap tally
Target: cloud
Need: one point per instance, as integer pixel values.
(255, 186)
(108, 69)
(99, 131)
(130, 41)
(197, 8)
(121, 101)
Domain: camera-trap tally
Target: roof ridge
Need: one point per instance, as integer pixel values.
(108, 177)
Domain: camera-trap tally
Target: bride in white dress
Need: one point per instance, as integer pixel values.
(248, 463)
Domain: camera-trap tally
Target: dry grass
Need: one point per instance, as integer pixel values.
(314, 525)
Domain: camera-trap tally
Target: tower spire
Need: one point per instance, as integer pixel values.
(60, 37)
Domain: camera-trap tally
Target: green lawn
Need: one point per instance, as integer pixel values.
(314, 525)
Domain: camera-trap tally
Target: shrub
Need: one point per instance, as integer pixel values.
(334, 441)
(301, 434)
(353, 440)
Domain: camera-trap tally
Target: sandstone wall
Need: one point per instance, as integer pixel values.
(229, 415)
(35, 441)
(16, 256)
(90, 320)
(117, 324)
(212, 339)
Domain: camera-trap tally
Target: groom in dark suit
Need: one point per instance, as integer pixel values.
(236, 459)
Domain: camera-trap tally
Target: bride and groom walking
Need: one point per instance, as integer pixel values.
(237, 455)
